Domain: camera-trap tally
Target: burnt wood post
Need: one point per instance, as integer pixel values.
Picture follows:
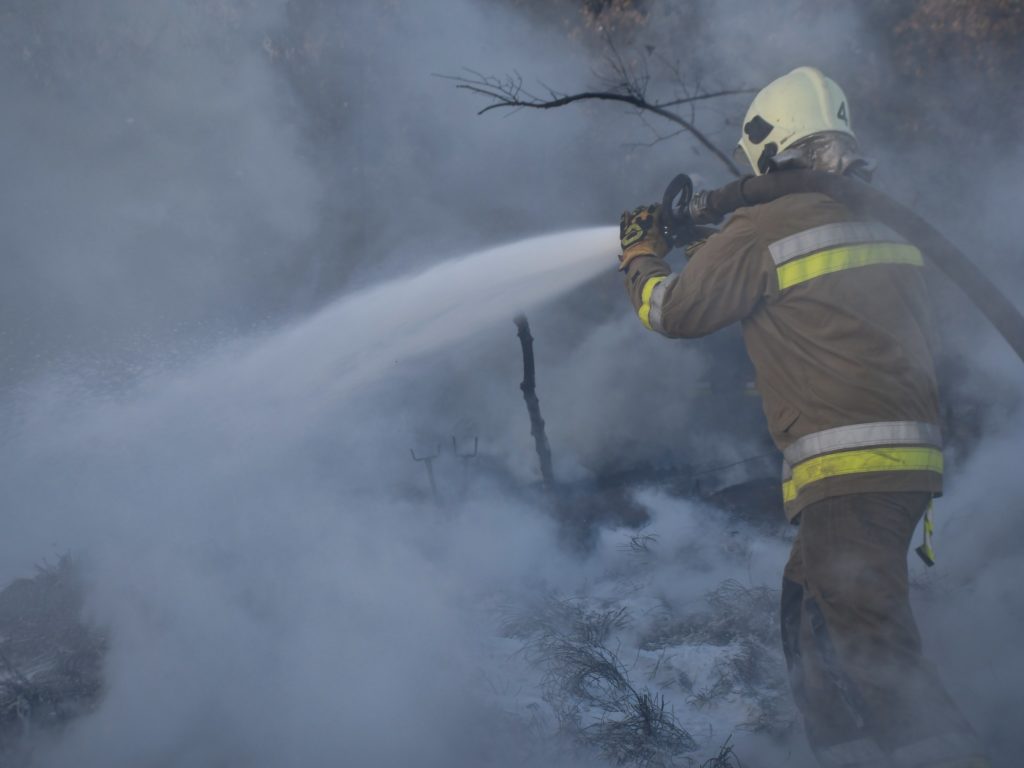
(529, 388)
(429, 462)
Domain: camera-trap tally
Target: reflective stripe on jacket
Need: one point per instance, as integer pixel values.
(883, 446)
(834, 247)
(835, 318)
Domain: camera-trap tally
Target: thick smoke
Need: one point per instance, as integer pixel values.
(225, 447)
(154, 182)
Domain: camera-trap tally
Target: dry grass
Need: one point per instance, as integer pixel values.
(590, 689)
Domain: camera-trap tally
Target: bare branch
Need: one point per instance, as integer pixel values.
(625, 80)
(705, 96)
(508, 93)
(658, 138)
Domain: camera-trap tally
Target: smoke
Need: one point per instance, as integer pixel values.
(189, 183)
(277, 588)
(155, 181)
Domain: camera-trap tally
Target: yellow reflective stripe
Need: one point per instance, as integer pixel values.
(848, 257)
(645, 301)
(889, 459)
(831, 236)
(908, 458)
(788, 491)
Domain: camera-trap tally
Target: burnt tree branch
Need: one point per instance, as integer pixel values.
(509, 93)
(529, 388)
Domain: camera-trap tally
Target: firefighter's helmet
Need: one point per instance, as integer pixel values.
(799, 104)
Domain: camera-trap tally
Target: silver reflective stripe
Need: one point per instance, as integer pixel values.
(877, 433)
(953, 749)
(830, 236)
(787, 471)
(657, 300)
(861, 753)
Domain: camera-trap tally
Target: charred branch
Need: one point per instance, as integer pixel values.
(625, 87)
(529, 388)
(428, 461)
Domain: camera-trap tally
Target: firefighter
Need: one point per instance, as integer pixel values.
(834, 314)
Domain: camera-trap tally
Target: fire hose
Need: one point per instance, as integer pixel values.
(685, 217)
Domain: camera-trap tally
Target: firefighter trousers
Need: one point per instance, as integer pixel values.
(866, 693)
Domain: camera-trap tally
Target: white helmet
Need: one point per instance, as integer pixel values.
(797, 105)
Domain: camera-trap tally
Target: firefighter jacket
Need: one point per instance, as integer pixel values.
(835, 318)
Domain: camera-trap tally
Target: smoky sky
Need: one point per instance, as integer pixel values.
(197, 199)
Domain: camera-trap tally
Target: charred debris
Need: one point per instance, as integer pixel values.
(748, 489)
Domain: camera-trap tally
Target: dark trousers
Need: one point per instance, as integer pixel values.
(866, 693)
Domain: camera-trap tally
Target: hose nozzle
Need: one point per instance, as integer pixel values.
(682, 212)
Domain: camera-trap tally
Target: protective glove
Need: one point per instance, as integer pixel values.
(640, 234)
